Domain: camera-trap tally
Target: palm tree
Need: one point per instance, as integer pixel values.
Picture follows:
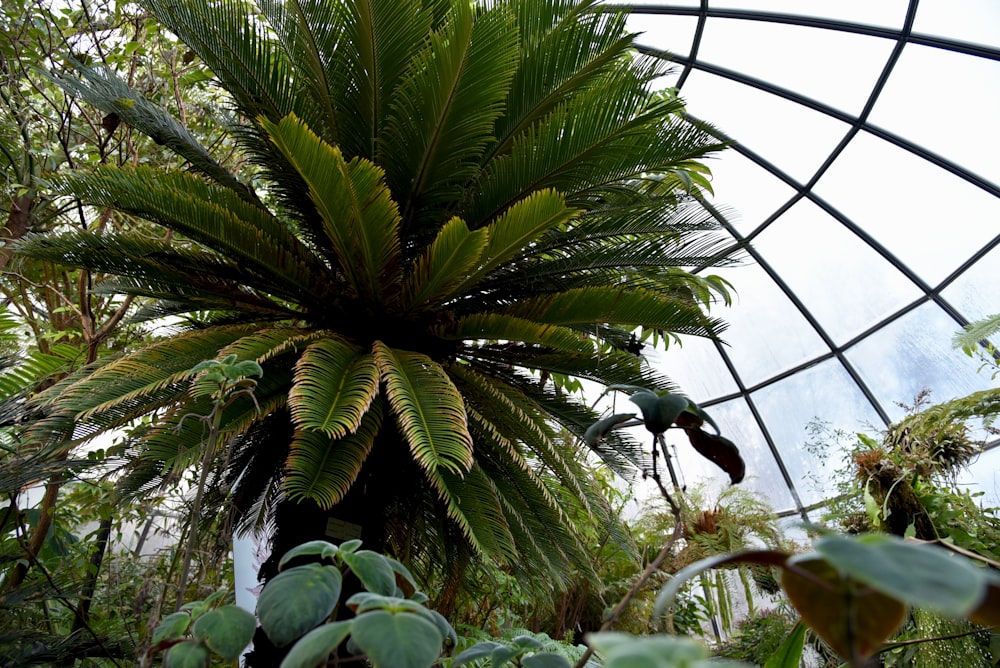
(449, 207)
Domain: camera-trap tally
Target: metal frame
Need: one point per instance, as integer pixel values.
(902, 37)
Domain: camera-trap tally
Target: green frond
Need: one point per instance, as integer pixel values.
(598, 142)
(176, 440)
(246, 234)
(498, 326)
(127, 387)
(30, 369)
(567, 48)
(265, 344)
(383, 39)
(428, 408)
(444, 265)
(505, 410)
(148, 267)
(359, 216)
(971, 336)
(308, 33)
(105, 90)
(323, 468)
(335, 383)
(583, 307)
(511, 234)
(442, 116)
(473, 504)
(233, 43)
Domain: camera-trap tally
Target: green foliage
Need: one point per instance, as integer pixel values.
(296, 610)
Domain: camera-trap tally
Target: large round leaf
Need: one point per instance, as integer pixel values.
(187, 654)
(316, 645)
(397, 640)
(658, 413)
(172, 627)
(851, 617)
(226, 630)
(298, 600)
(920, 575)
(374, 571)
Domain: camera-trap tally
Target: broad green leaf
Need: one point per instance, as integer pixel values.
(350, 545)
(480, 650)
(920, 575)
(854, 620)
(187, 654)
(789, 654)
(334, 386)
(171, 627)
(622, 650)
(527, 642)
(600, 429)
(314, 647)
(502, 654)
(226, 630)
(320, 548)
(373, 570)
(297, 600)
(546, 660)
(402, 640)
(429, 409)
(659, 413)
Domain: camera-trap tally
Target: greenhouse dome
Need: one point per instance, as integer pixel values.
(864, 176)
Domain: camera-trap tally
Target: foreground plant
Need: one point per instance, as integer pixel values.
(854, 593)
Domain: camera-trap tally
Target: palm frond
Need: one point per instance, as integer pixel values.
(496, 326)
(511, 233)
(442, 115)
(428, 408)
(444, 265)
(235, 45)
(246, 234)
(335, 384)
(105, 90)
(582, 307)
(359, 216)
(323, 468)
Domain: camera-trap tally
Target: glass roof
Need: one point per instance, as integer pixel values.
(865, 174)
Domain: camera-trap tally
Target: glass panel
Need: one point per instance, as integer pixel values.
(975, 293)
(822, 397)
(967, 20)
(822, 263)
(914, 354)
(983, 475)
(883, 12)
(876, 185)
(696, 366)
(746, 193)
(955, 116)
(766, 334)
(792, 137)
(673, 34)
(836, 68)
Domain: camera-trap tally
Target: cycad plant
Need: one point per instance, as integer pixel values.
(450, 205)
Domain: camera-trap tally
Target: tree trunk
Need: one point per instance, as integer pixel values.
(380, 489)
